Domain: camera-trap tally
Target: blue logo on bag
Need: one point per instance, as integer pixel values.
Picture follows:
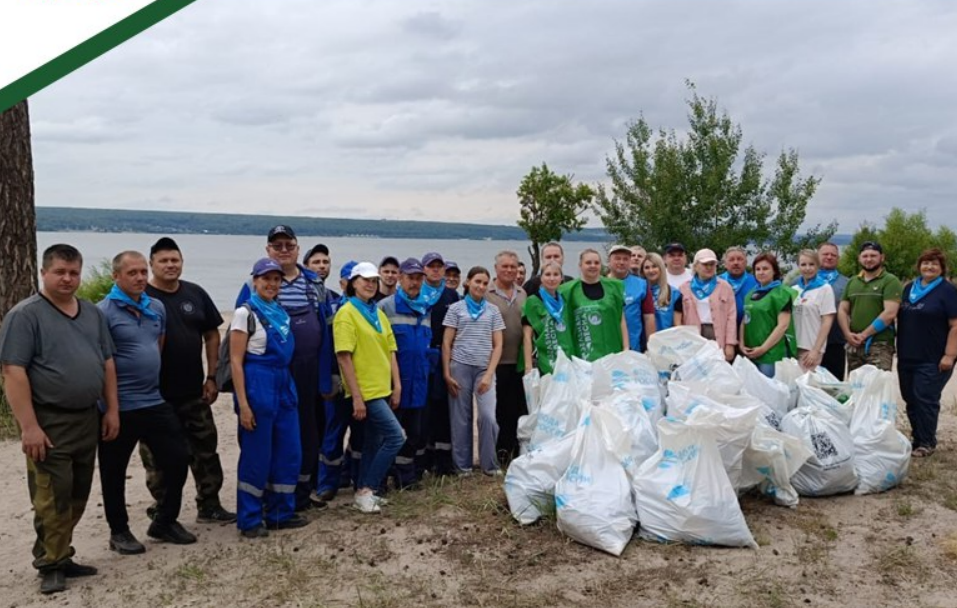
(677, 492)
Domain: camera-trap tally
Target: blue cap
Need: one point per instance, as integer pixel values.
(346, 271)
(411, 266)
(450, 265)
(432, 256)
(266, 265)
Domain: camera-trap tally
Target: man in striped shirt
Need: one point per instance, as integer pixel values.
(303, 296)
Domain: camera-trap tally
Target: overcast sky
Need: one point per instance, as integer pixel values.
(435, 110)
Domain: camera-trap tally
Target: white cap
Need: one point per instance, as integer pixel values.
(366, 270)
(704, 256)
(619, 249)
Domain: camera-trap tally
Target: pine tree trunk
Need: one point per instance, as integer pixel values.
(18, 225)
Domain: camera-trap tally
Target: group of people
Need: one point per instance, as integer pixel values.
(378, 382)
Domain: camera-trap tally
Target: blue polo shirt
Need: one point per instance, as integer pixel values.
(137, 353)
(922, 328)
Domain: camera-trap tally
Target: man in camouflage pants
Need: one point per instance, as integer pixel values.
(192, 323)
(57, 358)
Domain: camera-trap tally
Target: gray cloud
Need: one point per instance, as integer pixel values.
(436, 110)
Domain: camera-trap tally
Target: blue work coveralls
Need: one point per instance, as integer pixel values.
(270, 454)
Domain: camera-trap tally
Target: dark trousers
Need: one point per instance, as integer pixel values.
(406, 473)
(834, 359)
(196, 418)
(438, 427)
(305, 374)
(921, 387)
(509, 407)
(60, 484)
(159, 428)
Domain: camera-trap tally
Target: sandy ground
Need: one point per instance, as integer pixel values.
(454, 543)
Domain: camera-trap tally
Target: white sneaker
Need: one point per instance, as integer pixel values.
(381, 501)
(366, 503)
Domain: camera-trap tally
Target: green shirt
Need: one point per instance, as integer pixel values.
(760, 319)
(549, 336)
(867, 301)
(596, 324)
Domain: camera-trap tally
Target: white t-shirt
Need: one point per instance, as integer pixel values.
(677, 280)
(704, 309)
(257, 341)
(808, 310)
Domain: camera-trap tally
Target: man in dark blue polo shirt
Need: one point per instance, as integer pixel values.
(137, 325)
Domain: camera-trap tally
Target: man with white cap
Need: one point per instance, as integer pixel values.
(639, 303)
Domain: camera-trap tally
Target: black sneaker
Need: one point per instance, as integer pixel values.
(326, 495)
(74, 570)
(257, 532)
(125, 543)
(318, 502)
(216, 515)
(172, 532)
(293, 522)
(53, 581)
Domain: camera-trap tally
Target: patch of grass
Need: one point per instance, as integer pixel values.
(192, 572)
(948, 545)
(900, 563)
(905, 509)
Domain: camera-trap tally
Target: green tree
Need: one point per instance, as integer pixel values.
(551, 206)
(99, 282)
(705, 189)
(903, 237)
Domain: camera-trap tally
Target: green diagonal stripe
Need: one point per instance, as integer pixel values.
(88, 50)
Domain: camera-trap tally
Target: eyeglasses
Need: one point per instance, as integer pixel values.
(283, 246)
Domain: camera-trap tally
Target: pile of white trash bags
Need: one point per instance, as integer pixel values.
(666, 442)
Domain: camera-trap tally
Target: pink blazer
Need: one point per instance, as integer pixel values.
(724, 311)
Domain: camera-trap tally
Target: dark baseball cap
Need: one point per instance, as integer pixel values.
(411, 266)
(450, 265)
(266, 265)
(673, 247)
(389, 259)
(164, 244)
(871, 245)
(432, 256)
(280, 230)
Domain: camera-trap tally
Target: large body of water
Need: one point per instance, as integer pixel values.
(221, 263)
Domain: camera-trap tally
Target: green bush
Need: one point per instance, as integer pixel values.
(95, 287)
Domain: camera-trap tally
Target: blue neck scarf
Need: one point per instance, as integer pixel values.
(431, 294)
(918, 290)
(829, 275)
(702, 290)
(736, 283)
(142, 307)
(369, 311)
(475, 308)
(274, 314)
(418, 305)
(554, 305)
(815, 283)
(763, 288)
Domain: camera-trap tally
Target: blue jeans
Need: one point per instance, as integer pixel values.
(766, 368)
(921, 386)
(383, 440)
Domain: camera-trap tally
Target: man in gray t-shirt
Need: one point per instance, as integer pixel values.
(57, 359)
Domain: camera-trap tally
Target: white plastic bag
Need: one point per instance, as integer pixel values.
(831, 469)
(671, 347)
(532, 383)
(593, 499)
(636, 424)
(881, 452)
(788, 371)
(531, 478)
(770, 460)
(829, 383)
(812, 396)
(774, 393)
(745, 400)
(622, 372)
(561, 403)
(709, 365)
(683, 493)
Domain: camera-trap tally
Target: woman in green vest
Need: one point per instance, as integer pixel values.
(767, 330)
(546, 324)
(597, 310)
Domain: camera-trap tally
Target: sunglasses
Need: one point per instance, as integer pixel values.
(283, 246)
